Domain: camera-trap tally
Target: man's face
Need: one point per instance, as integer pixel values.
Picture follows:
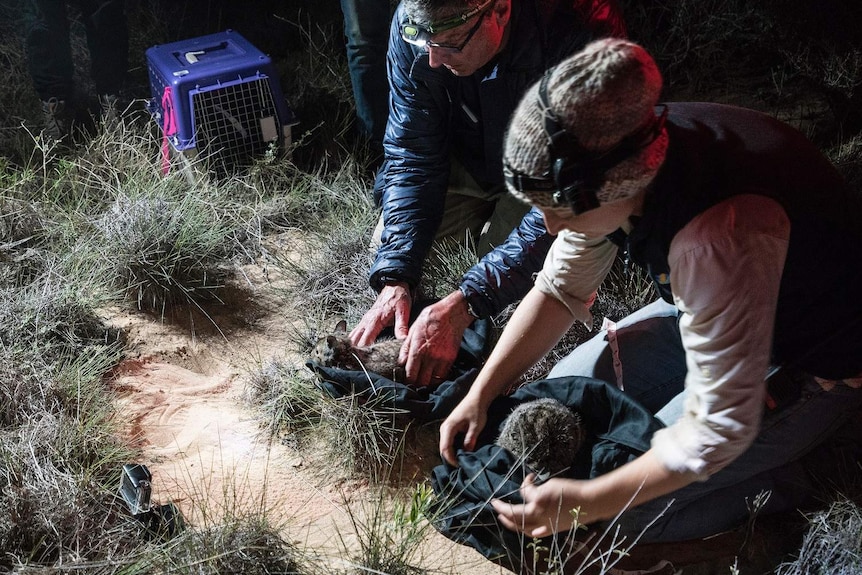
(479, 39)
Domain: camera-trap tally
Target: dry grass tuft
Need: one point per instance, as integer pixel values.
(833, 543)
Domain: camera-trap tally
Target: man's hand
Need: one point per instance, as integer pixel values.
(392, 307)
(547, 508)
(434, 340)
(468, 417)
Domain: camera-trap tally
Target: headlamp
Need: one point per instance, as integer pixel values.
(420, 35)
(414, 34)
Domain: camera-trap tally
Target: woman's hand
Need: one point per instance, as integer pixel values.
(548, 508)
(468, 417)
(558, 503)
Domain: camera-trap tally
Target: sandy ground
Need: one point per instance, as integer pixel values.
(180, 392)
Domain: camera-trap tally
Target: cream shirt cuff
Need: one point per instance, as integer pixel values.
(574, 269)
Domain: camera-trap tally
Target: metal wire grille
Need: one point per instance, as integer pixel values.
(235, 123)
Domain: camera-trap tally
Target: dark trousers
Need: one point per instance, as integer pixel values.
(366, 26)
(49, 52)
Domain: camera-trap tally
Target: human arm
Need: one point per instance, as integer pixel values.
(571, 269)
(502, 277)
(410, 188)
(505, 274)
(535, 327)
(726, 268)
(413, 187)
(553, 506)
(574, 268)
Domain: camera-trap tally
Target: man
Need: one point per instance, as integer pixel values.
(457, 68)
(366, 27)
(49, 57)
(755, 243)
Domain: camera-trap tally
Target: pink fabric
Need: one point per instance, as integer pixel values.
(169, 127)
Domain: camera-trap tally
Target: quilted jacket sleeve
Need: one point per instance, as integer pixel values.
(505, 274)
(416, 172)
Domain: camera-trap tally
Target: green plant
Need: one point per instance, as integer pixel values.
(390, 535)
(241, 545)
(49, 318)
(293, 404)
(363, 436)
(755, 505)
(445, 267)
(700, 45)
(59, 462)
(322, 91)
(352, 433)
(164, 250)
(847, 157)
(326, 275)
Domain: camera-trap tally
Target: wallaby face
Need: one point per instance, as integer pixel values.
(336, 350)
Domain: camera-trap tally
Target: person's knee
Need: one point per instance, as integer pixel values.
(592, 358)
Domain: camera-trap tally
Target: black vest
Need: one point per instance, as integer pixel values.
(718, 151)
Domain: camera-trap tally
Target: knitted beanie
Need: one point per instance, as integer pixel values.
(600, 95)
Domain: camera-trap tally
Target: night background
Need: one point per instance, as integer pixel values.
(796, 59)
(108, 267)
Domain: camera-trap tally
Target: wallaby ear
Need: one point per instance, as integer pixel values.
(331, 341)
(341, 326)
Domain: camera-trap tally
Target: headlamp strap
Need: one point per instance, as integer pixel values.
(571, 177)
(576, 173)
(561, 144)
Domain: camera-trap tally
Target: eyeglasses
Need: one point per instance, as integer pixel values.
(421, 35)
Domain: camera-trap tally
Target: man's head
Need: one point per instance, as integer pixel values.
(587, 133)
(429, 12)
(462, 35)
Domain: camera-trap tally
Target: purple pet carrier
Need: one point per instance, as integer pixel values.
(218, 97)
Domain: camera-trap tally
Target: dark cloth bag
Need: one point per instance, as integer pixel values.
(618, 428)
(420, 403)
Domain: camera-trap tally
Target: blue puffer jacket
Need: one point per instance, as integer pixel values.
(434, 114)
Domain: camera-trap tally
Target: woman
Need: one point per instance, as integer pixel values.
(747, 232)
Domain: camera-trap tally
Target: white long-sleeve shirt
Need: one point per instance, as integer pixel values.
(725, 272)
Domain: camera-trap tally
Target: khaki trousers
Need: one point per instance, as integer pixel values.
(472, 217)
